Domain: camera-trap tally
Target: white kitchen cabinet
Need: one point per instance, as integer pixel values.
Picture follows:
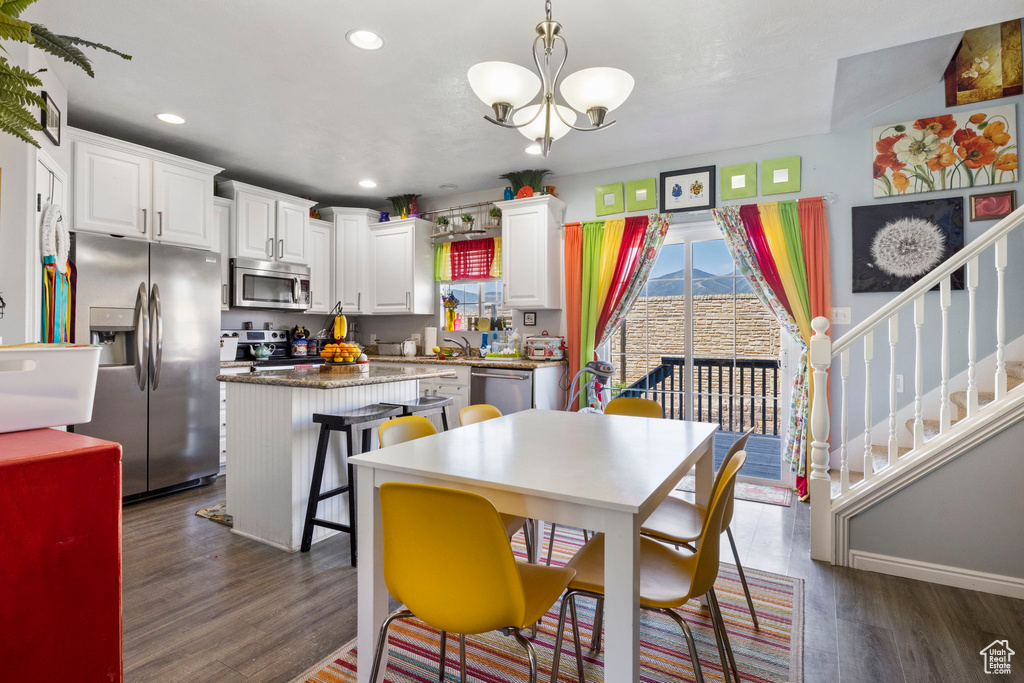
(401, 267)
(131, 191)
(321, 272)
(267, 225)
(183, 206)
(531, 254)
(222, 209)
(351, 256)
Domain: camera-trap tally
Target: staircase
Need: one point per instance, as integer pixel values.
(891, 457)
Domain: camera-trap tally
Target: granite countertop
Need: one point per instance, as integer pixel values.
(235, 363)
(476, 362)
(312, 378)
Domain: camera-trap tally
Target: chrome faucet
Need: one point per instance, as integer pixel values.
(466, 348)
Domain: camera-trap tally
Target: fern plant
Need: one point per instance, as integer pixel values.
(16, 84)
(520, 179)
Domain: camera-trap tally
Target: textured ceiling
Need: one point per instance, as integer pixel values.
(274, 93)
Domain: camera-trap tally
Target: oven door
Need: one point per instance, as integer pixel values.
(263, 284)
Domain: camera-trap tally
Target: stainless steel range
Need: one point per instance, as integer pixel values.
(280, 357)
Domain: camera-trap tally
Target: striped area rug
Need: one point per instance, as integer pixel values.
(771, 655)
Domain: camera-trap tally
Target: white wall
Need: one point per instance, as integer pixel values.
(20, 265)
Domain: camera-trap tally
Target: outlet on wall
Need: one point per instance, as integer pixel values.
(841, 315)
(373, 337)
(415, 336)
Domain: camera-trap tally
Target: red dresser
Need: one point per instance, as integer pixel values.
(60, 557)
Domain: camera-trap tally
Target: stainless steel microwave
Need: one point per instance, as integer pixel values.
(268, 284)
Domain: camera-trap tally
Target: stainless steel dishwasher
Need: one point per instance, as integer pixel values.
(507, 390)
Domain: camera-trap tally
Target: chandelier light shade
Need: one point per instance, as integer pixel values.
(503, 83)
(509, 88)
(532, 126)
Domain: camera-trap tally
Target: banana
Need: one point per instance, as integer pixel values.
(340, 327)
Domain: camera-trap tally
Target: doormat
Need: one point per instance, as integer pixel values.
(773, 653)
(217, 513)
(755, 493)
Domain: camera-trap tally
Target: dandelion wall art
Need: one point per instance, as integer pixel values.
(895, 245)
(946, 152)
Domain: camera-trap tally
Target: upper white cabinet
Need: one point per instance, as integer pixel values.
(351, 256)
(401, 267)
(132, 191)
(267, 225)
(321, 275)
(222, 209)
(530, 252)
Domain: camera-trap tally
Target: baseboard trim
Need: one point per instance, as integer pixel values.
(997, 584)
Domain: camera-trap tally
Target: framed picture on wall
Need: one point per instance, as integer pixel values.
(49, 117)
(993, 205)
(895, 245)
(691, 189)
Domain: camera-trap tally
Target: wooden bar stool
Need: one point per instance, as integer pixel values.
(425, 406)
(358, 426)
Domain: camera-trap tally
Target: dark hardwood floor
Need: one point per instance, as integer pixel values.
(202, 604)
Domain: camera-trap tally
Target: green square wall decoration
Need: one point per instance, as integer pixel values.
(780, 175)
(642, 195)
(608, 199)
(738, 181)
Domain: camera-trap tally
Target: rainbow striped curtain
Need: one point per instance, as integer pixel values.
(782, 248)
(58, 306)
(468, 260)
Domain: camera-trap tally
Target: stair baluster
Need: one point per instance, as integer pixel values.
(918, 371)
(844, 456)
(972, 340)
(869, 354)
(1001, 318)
(894, 338)
(944, 408)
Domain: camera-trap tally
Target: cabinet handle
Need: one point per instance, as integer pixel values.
(145, 220)
(160, 223)
(224, 294)
(408, 306)
(280, 249)
(359, 301)
(270, 247)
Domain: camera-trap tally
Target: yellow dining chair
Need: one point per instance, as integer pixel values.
(623, 405)
(637, 407)
(668, 578)
(474, 585)
(477, 413)
(681, 522)
(402, 429)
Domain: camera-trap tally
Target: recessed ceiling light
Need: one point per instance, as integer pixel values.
(448, 186)
(367, 183)
(533, 149)
(170, 118)
(364, 40)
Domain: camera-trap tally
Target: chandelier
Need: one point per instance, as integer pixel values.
(509, 88)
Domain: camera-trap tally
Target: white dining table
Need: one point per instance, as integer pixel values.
(606, 473)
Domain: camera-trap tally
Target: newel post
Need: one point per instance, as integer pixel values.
(820, 483)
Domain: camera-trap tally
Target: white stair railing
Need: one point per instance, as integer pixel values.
(823, 350)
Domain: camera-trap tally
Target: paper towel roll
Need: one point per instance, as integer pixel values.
(429, 338)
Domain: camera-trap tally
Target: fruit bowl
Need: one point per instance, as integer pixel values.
(342, 353)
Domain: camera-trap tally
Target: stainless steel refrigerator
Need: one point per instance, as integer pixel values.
(154, 309)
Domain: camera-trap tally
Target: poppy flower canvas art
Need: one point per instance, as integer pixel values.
(946, 152)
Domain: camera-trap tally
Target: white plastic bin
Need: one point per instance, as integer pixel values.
(46, 385)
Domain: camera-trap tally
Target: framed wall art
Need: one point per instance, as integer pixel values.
(986, 65)
(895, 245)
(946, 152)
(642, 195)
(691, 189)
(739, 181)
(608, 199)
(781, 175)
(993, 206)
(49, 117)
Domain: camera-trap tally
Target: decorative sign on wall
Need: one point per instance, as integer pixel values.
(895, 245)
(781, 175)
(993, 206)
(739, 181)
(986, 66)
(946, 152)
(608, 199)
(642, 195)
(691, 189)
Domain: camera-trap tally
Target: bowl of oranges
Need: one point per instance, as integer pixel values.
(343, 352)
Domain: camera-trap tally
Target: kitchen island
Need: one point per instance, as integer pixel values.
(271, 443)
